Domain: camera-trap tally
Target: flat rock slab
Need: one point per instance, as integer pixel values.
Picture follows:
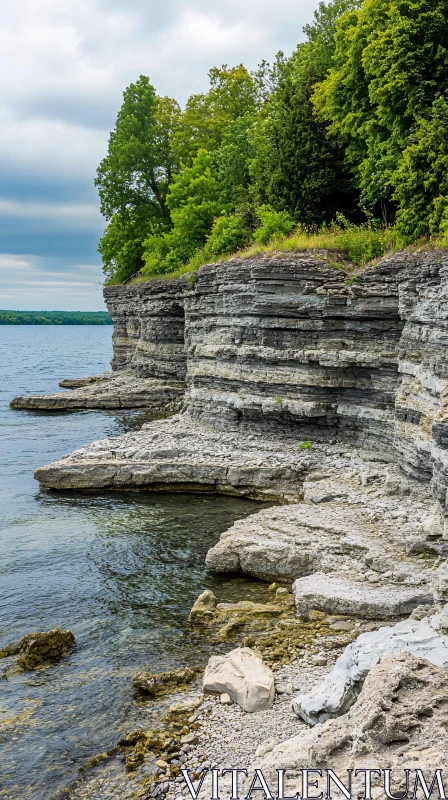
(292, 541)
(179, 454)
(110, 390)
(289, 542)
(324, 592)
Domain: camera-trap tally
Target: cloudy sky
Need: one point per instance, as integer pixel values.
(63, 67)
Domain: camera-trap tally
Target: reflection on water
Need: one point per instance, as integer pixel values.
(121, 571)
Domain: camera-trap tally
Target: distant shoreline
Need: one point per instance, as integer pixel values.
(54, 318)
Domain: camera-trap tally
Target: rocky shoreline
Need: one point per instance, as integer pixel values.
(328, 397)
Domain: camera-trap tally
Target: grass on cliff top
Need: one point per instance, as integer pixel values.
(358, 246)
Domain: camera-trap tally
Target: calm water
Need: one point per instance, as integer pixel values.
(121, 571)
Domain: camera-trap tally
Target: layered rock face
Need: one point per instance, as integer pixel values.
(288, 343)
(421, 433)
(149, 362)
(149, 324)
(285, 340)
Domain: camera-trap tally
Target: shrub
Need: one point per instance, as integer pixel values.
(272, 224)
(229, 234)
(364, 243)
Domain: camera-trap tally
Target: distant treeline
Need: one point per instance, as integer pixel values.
(55, 318)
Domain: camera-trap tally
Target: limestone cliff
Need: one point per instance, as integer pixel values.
(149, 362)
(149, 324)
(287, 343)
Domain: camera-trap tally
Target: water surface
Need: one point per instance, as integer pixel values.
(120, 570)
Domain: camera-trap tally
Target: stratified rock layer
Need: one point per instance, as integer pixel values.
(109, 391)
(285, 343)
(149, 322)
(149, 362)
(179, 454)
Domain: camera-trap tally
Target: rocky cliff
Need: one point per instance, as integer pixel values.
(149, 325)
(149, 362)
(305, 385)
(288, 343)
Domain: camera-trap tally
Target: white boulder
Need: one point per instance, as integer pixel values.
(243, 676)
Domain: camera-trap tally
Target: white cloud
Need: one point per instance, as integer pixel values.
(63, 67)
(12, 262)
(85, 216)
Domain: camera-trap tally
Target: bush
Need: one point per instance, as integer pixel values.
(272, 224)
(229, 234)
(363, 243)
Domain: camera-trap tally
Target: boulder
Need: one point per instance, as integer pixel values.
(203, 608)
(441, 579)
(158, 683)
(40, 649)
(432, 524)
(324, 592)
(343, 683)
(398, 721)
(242, 675)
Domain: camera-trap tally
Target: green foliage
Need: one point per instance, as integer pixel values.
(233, 162)
(194, 200)
(421, 180)
(272, 223)
(390, 62)
(55, 318)
(121, 246)
(295, 166)
(208, 117)
(306, 445)
(229, 234)
(366, 242)
(133, 179)
(339, 141)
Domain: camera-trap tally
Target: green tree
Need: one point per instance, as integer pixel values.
(272, 223)
(121, 246)
(233, 162)
(421, 180)
(296, 166)
(133, 179)
(228, 235)
(390, 62)
(208, 117)
(194, 200)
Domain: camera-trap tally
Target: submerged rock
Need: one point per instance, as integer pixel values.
(242, 675)
(39, 649)
(343, 683)
(159, 683)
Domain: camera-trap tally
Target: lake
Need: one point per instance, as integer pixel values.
(120, 570)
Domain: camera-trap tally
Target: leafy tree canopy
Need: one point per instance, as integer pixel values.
(390, 61)
(139, 164)
(208, 117)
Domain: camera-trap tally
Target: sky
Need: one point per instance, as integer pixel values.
(64, 65)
